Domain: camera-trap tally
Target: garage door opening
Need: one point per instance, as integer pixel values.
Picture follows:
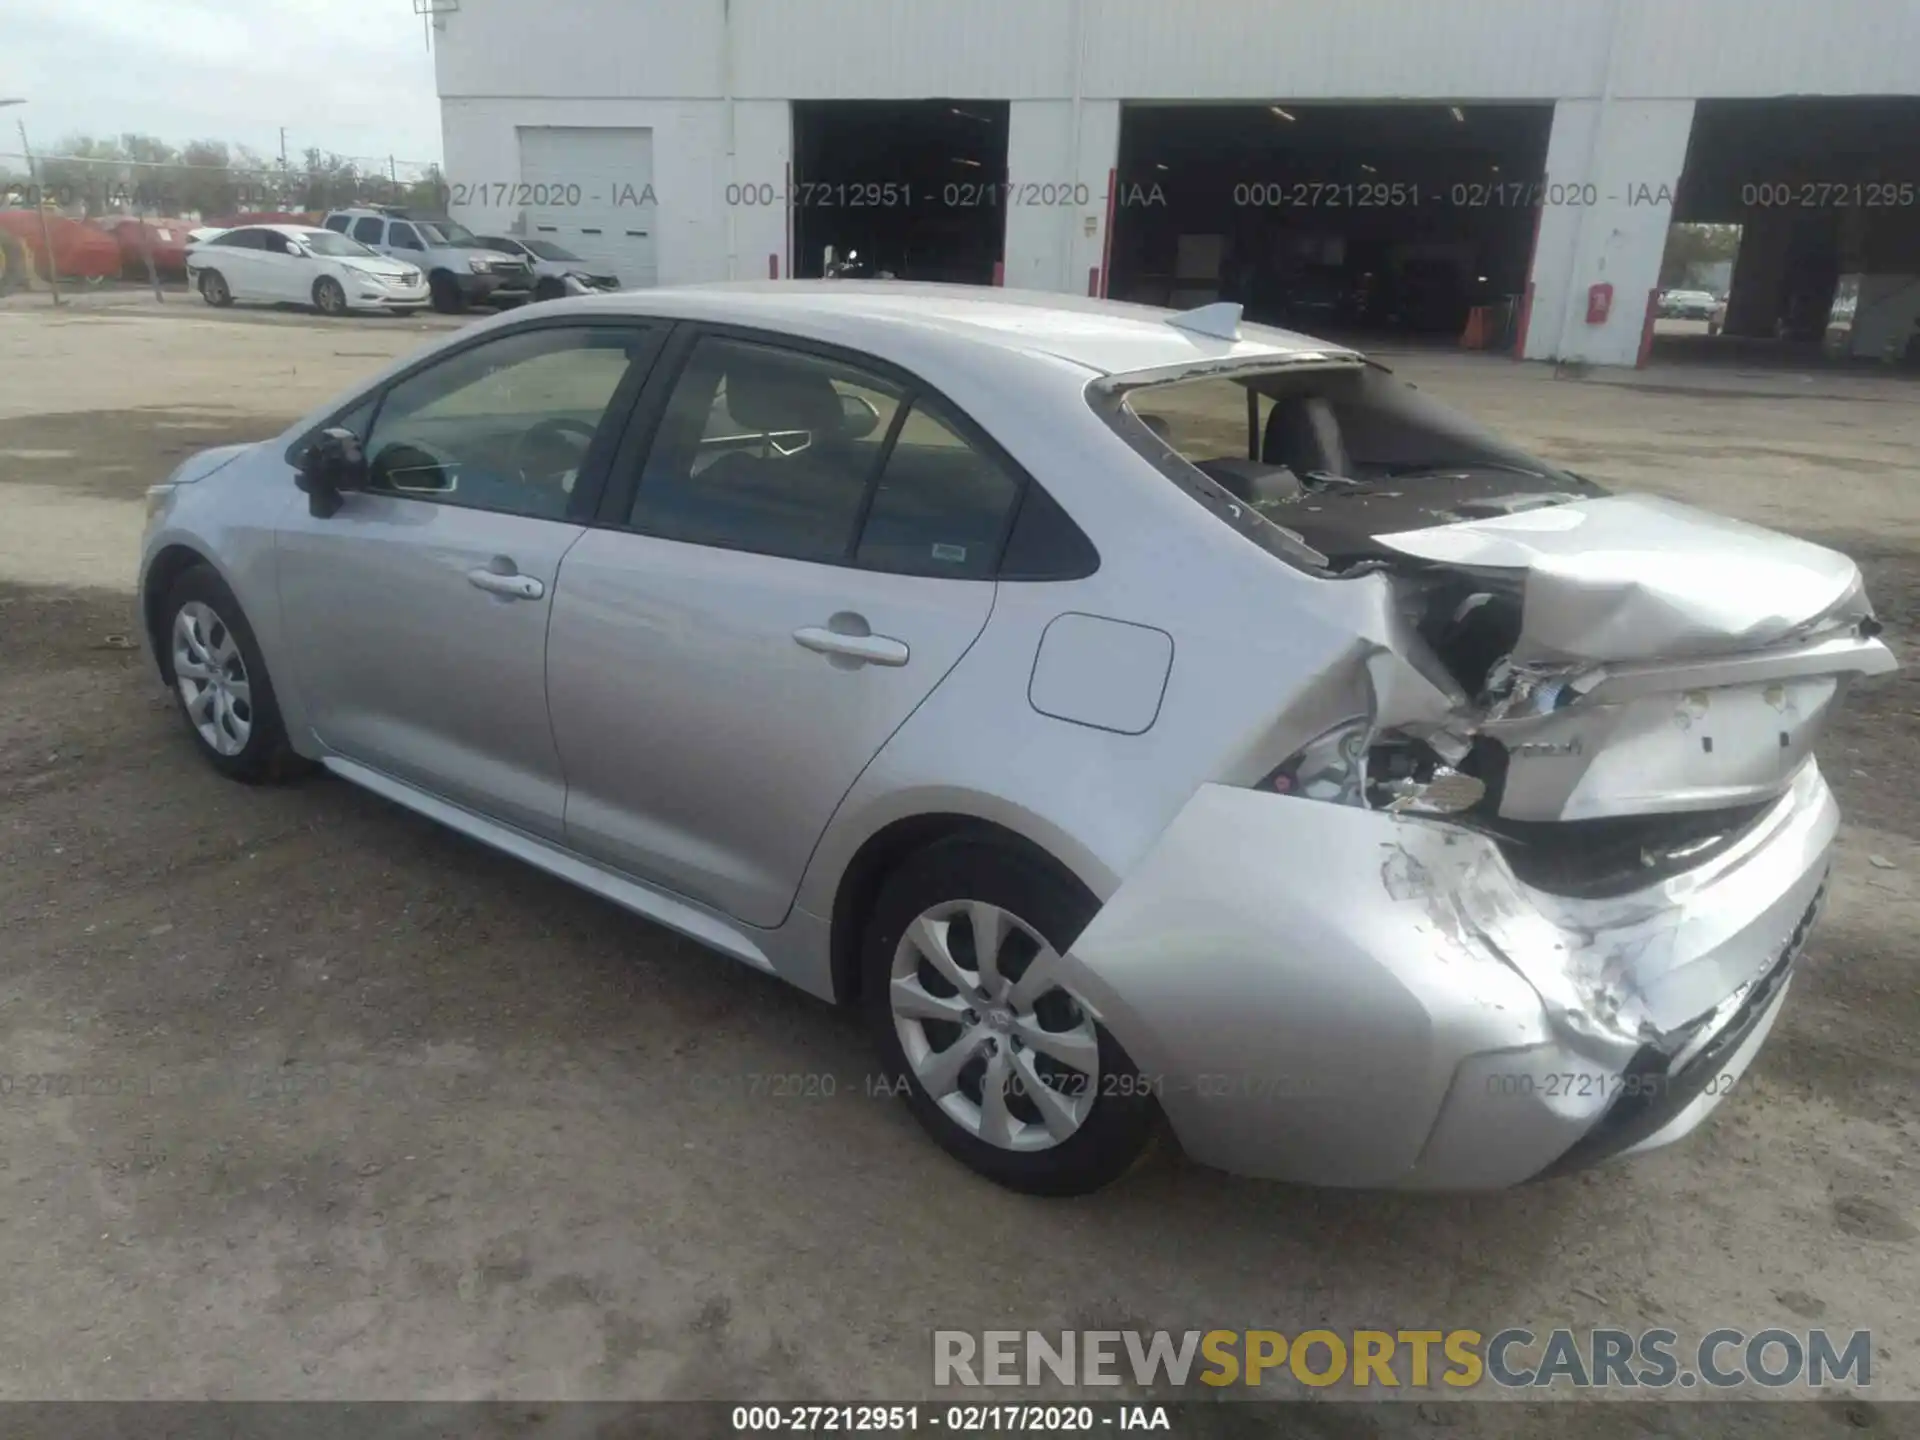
(1827, 264)
(913, 189)
(1341, 219)
(589, 191)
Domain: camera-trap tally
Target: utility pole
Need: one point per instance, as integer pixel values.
(40, 204)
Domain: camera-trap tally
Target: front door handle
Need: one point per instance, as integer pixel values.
(872, 649)
(508, 587)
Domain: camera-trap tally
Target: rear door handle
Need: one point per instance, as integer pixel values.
(873, 649)
(509, 587)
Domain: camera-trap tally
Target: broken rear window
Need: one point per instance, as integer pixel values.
(1312, 460)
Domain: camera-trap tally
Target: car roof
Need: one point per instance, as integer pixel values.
(1108, 337)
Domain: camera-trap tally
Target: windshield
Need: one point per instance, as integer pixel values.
(547, 250)
(326, 242)
(448, 232)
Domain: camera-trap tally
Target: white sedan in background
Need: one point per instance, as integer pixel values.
(302, 265)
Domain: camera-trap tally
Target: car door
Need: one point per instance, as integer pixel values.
(404, 243)
(418, 613)
(239, 253)
(759, 612)
(280, 273)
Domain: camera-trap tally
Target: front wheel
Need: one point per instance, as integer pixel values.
(446, 294)
(979, 1027)
(328, 297)
(221, 682)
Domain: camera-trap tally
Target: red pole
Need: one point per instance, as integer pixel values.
(773, 267)
(1646, 330)
(1000, 272)
(1093, 281)
(1106, 246)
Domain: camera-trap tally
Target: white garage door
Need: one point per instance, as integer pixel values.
(592, 189)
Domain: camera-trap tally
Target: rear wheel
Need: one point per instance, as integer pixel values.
(445, 291)
(221, 681)
(978, 1025)
(213, 288)
(328, 297)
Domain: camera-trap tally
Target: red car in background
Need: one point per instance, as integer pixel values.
(80, 251)
(167, 240)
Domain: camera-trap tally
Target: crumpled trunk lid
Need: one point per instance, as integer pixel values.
(1638, 577)
(1665, 660)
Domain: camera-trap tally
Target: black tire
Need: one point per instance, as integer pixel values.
(328, 297)
(447, 296)
(549, 289)
(266, 756)
(1124, 1117)
(214, 290)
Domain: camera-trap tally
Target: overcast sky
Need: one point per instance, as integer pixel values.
(351, 76)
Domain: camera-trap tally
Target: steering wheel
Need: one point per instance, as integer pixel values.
(550, 452)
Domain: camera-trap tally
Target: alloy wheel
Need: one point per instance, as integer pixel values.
(999, 1043)
(212, 678)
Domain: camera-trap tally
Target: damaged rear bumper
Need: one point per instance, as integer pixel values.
(1335, 995)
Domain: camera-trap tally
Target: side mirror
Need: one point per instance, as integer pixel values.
(333, 466)
(862, 417)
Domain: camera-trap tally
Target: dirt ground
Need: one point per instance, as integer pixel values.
(301, 1096)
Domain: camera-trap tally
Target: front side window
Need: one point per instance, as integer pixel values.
(766, 449)
(367, 229)
(449, 232)
(504, 426)
(275, 243)
(337, 222)
(401, 237)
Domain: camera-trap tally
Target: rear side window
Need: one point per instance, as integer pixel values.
(942, 505)
(765, 449)
(243, 239)
(367, 229)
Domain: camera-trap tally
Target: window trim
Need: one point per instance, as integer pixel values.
(622, 488)
(608, 438)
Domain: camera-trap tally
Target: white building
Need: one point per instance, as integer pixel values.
(672, 137)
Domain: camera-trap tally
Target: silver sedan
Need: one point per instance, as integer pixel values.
(1148, 720)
